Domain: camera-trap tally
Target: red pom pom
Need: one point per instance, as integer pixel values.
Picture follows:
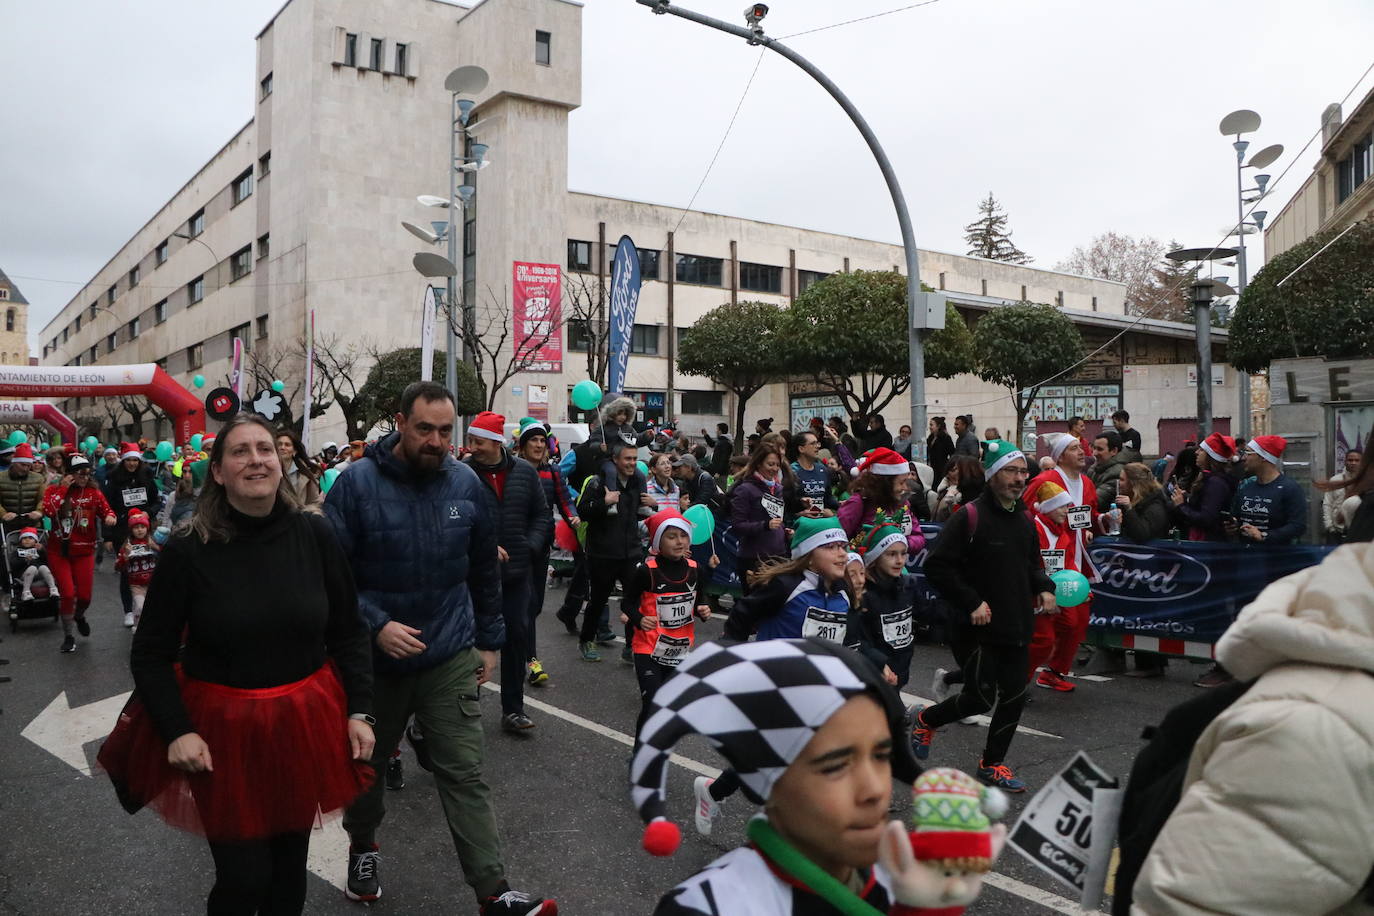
(662, 838)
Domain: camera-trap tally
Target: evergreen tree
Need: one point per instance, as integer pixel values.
(1166, 296)
(988, 236)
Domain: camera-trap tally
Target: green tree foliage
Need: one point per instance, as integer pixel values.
(848, 333)
(1023, 346)
(739, 348)
(1326, 309)
(989, 237)
(394, 370)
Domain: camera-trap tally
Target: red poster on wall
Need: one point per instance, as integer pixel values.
(536, 311)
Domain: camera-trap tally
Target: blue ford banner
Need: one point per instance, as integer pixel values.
(624, 301)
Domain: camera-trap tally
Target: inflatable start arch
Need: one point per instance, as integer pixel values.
(39, 413)
(185, 409)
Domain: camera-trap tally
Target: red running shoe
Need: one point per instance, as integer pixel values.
(1052, 681)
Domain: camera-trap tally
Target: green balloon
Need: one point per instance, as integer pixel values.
(196, 441)
(18, 436)
(198, 381)
(1071, 588)
(642, 468)
(165, 451)
(586, 395)
(278, 385)
(327, 483)
(703, 523)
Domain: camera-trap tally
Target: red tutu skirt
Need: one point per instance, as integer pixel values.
(280, 755)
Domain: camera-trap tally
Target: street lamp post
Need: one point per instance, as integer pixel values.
(1200, 294)
(925, 311)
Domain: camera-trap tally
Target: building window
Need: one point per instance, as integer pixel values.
(579, 338)
(111, 342)
(401, 59)
(703, 402)
(264, 164)
(77, 360)
(241, 263)
(266, 86)
(644, 339)
(9, 320)
(760, 278)
(648, 264)
(693, 268)
(542, 53)
(243, 187)
(942, 279)
(808, 278)
(160, 254)
(110, 294)
(76, 324)
(262, 326)
(1094, 303)
(1023, 292)
(4, 293)
(93, 353)
(1059, 298)
(135, 327)
(264, 244)
(91, 314)
(579, 255)
(375, 59)
(195, 356)
(160, 312)
(134, 274)
(984, 286)
(350, 50)
(195, 290)
(197, 224)
(241, 333)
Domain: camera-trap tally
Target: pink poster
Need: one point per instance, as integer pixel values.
(536, 314)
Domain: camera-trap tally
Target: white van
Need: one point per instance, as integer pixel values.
(568, 434)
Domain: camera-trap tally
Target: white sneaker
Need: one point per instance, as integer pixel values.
(53, 593)
(939, 690)
(707, 809)
(129, 620)
(26, 596)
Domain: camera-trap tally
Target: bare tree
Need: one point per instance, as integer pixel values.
(339, 379)
(584, 313)
(501, 350)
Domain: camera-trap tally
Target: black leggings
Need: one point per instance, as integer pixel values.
(603, 574)
(265, 877)
(994, 679)
(651, 676)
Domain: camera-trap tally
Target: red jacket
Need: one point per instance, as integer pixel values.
(138, 559)
(75, 514)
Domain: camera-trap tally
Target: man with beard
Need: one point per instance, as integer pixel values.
(421, 540)
(986, 564)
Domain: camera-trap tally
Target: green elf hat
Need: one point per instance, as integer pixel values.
(816, 532)
(998, 452)
(952, 815)
(529, 426)
(877, 540)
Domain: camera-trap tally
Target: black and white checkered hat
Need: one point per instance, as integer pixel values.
(758, 704)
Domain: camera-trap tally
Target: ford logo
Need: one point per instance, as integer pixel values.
(1151, 575)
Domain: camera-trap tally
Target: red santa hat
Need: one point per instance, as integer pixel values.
(488, 425)
(1219, 448)
(130, 450)
(883, 462)
(28, 533)
(1270, 448)
(661, 521)
(23, 454)
(138, 517)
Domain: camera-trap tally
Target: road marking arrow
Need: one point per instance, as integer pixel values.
(64, 732)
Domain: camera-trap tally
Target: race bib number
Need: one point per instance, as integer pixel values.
(828, 625)
(28, 553)
(897, 628)
(772, 505)
(674, 611)
(134, 497)
(1080, 517)
(1053, 560)
(670, 650)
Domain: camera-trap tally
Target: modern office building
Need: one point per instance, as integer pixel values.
(300, 212)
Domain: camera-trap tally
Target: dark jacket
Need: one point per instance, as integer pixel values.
(22, 496)
(611, 537)
(1000, 564)
(720, 456)
(939, 449)
(1361, 527)
(124, 491)
(749, 520)
(555, 492)
(1149, 520)
(423, 552)
(875, 438)
(524, 524)
(968, 445)
(703, 491)
(1201, 511)
(1106, 476)
(887, 610)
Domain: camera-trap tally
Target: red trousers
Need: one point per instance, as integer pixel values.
(75, 577)
(1057, 637)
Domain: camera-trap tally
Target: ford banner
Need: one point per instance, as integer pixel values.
(624, 301)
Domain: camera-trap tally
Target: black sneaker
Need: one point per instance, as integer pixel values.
(83, 626)
(514, 903)
(605, 638)
(417, 744)
(516, 722)
(567, 617)
(68, 644)
(395, 773)
(362, 875)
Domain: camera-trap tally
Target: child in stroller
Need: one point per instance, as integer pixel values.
(28, 560)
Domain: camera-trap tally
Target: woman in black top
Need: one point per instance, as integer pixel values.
(939, 447)
(263, 719)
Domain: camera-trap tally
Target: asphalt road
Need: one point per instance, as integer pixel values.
(560, 792)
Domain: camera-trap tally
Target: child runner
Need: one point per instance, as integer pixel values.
(835, 739)
(885, 615)
(137, 559)
(1056, 634)
(74, 505)
(29, 561)
(662, 598)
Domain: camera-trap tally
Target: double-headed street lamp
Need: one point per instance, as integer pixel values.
(1201, 295)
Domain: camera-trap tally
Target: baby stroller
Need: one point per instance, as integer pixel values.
(42, 606)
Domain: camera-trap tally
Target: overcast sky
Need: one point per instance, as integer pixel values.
(1081, 116)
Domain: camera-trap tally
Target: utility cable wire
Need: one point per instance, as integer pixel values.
(836, 25)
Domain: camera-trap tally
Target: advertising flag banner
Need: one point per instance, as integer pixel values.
(536, 313)
(625, 282)
(236, 368)
(427, 337)
(309, 379)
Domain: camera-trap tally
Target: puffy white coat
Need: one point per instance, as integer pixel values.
(1277, 813)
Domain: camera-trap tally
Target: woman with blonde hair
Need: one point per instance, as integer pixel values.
(1145, 511)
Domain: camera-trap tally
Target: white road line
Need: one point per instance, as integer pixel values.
(1088, 677)
(1011, 886)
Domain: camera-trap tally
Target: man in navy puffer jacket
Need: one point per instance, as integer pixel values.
(418, 533)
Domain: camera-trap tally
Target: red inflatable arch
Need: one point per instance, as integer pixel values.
(185, 409)
(22, 413)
